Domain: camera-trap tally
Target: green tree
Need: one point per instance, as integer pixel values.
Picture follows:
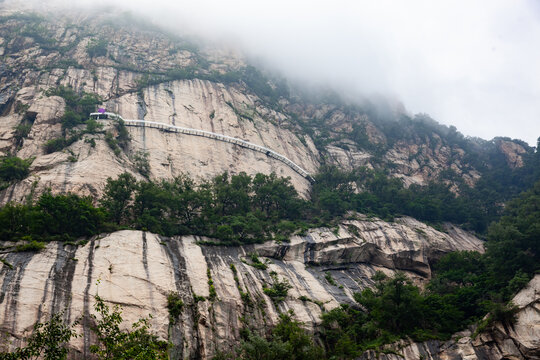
(289, 341)
(14, 221)
(48, 341)
(185, 203)
(279, 288)
(117, 198)
(150, 207)
(395, 305)
(275, 197)
(68, 214)
(513, 244)
(13, 168)
(117, 344)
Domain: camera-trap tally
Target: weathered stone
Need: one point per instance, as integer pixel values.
(137, 270)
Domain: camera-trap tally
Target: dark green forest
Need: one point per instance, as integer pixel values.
(240, 209)
(465, 287)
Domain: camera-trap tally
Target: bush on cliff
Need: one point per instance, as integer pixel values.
(13, 168)
(52, 217)
(78, 105)
(287, 341)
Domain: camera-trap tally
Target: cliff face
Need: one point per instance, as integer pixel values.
(142, 73)
(138, 270)
(194, 104)
(199, 104)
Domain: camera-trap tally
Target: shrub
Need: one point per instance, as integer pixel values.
(71, 119)
(31, 246)
(279, 289)
(78, 106)
(287, 341)
(123, 137)
(59, 144)
(92, 126)
(21, 132)
(14, 168)
(142, 164)
(114, 343)
(55, 145)
(175, 306)
(197, 298)
(330, 279)
(211, 288)
(96, 47)
(113, 144)
(257, 263)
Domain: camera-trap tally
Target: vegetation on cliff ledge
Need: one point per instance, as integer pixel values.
(465, 286)
(13, 169)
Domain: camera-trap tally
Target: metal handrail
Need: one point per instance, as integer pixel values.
(208, 134)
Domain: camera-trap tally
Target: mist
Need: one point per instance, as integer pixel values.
(472, 64)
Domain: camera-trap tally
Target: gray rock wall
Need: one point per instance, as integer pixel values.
(137, 270)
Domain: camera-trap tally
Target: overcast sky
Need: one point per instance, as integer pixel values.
(472, 64)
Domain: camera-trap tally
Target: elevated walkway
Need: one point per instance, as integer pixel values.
(207, 134)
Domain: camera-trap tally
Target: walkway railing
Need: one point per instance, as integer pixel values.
(208, 134)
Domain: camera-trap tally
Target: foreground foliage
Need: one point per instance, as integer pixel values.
(49, 340)
(114, 343)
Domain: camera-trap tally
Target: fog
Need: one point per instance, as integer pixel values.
(472, 64)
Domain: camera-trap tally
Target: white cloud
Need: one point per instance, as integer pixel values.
(473, 64)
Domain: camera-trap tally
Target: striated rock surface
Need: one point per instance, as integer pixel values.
(126, 82)
(83, 168)
(137, 270)
(502, 341)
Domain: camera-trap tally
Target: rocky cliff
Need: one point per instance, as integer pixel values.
(520, 340)
(122, 81)
(137, 270)
(140, 72)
